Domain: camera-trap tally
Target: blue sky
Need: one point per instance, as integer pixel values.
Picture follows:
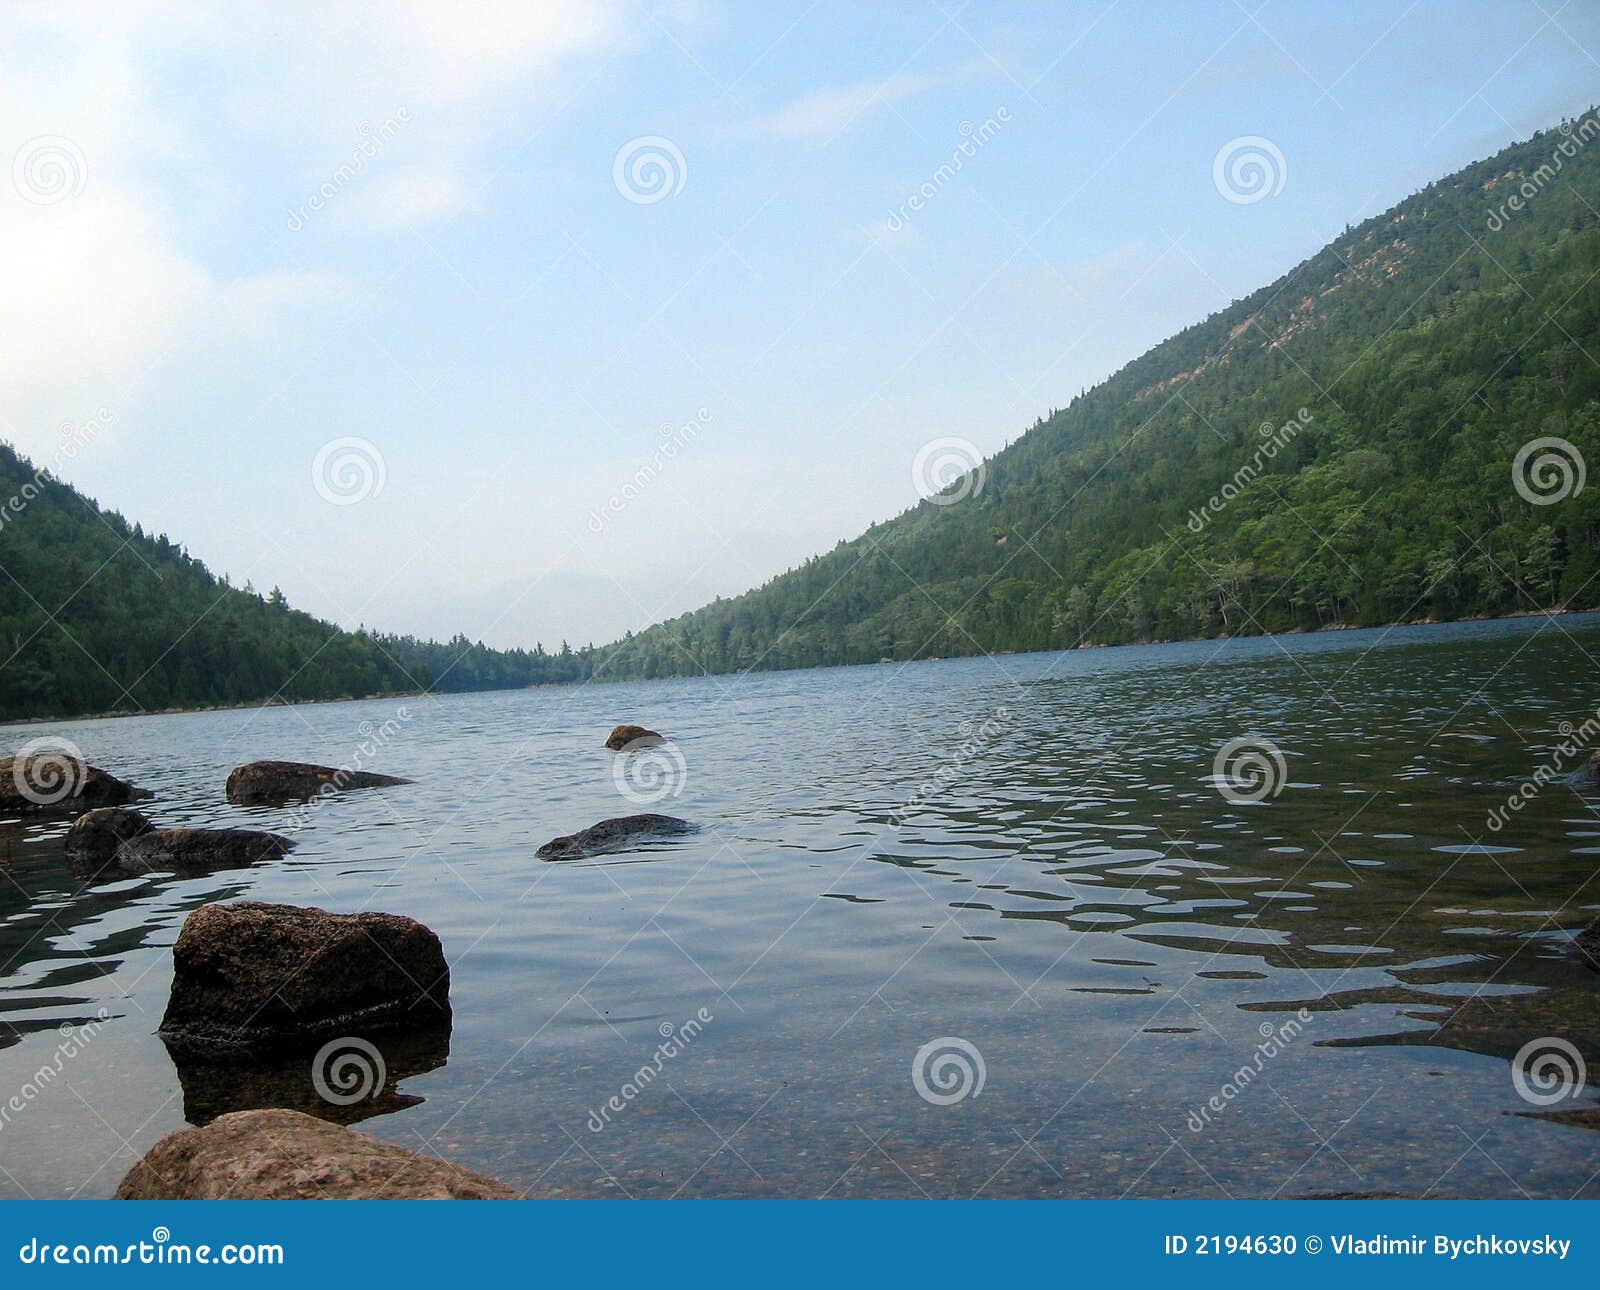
(476, 299)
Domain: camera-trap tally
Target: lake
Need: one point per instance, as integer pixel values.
(998, 927)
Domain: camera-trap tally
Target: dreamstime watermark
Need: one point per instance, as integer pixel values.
(372, 142)
(48, 169)
(671, 443)
(1548, 1071)
(348, 470)
(1274, 439)
(160, 1250)
(1249, 169)
(1274, 1039)
(49, 770)
(1576, 135)
(373, 740)
(674, 1039)
(1249, 769)
(1548, 470)
(649, 769)
(973, 138)
(1575, 740)
(348, 1070)
(74, 1039)
(975, 740)
(74, 439)
(949, 470)
(649, 169)
(948, 1070)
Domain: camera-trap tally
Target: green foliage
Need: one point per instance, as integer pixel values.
(1426, 348)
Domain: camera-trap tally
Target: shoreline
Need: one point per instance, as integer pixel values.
(624, 680)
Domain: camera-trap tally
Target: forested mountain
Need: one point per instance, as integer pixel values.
(97, 616)
(1427, 346)
(1348, 445)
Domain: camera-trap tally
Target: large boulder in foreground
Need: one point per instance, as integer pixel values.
(613, 835)
(272, 783)
(96, 836)
(60, 782)
(622, 736)
(199, 850)
(252, 979)
(284, 1155)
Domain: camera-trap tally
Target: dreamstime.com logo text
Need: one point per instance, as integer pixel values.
(674, 1039)
(373, 740)
(74, 1039)
(160, 1250)
(74, 439)
(1274, 1039)
(672, 442)
(372, 142)
(973, 137)
(1575, 135)
(1274, 439)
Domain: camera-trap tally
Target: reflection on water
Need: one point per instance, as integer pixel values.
(1032, 855)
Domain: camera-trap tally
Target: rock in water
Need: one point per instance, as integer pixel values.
(613, 835)
(95, 835)
(622, 736)
(271, 783)
(1587, 944)
(58, 781)
(284, 1155)
(251, 979)
(1587, 776)
(199, 850)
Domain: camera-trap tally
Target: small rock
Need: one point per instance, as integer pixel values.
(59, 782)
(271, 783)
(95, 835)
(622, 736)
(251, 978)
(1587, 945)
(199, 850)
(1587, 775)
(612, 835)
(284, 1155)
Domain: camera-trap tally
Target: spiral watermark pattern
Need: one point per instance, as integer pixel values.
(948, 1070)
(947, 471)
(1547, 1071)
(1249, 769)
(1249, 169)
(49, 169)
(347, 471)
(348, 1070)
(648, 770)
(160, 1235)
(49, 770)
(649, 169)
(1548, 470)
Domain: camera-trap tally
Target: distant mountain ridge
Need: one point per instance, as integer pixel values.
(1428, 348)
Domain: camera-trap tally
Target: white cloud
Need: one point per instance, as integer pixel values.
(825, 113)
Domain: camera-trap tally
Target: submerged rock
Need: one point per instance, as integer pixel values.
(271, 783)
(284, 1155)
(199, 850)
(251, 979)
(622, 736)
(613, 835)
(60, 782)
(96, 835)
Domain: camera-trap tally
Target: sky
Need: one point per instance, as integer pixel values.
(544, 322)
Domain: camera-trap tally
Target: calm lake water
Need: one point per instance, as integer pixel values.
(1070, 896)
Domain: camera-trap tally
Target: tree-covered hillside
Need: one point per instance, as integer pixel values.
(1426, 346)
(97, 616)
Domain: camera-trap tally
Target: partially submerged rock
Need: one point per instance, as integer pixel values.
(284, 1155)
(1587, 776)
(251, 978)
(1587, 945)
(613, 835)
(271, 783)
(96, 835)
(199, 850)
(60, 782)
(622, 736)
